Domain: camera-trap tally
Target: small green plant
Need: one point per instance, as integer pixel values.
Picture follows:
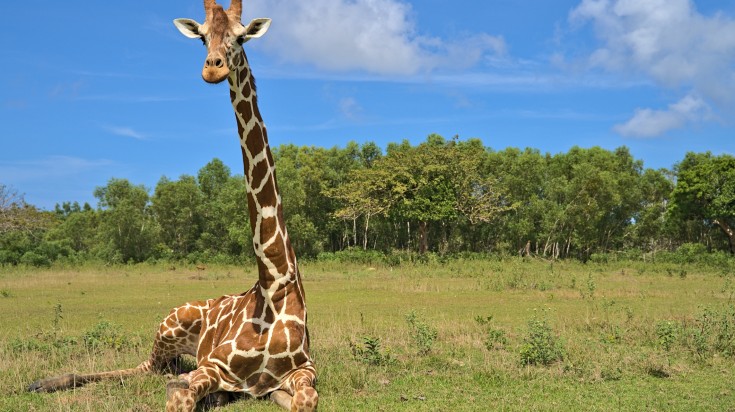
(590, 287)
(5, 293)
(422, 334)
(58, 316)
(104, 334)
(369, 351)
(541, 346)
(483, 320)
(666, 334)
(612, 334)
(495, 338)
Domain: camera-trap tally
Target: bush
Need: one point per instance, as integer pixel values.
(8, 257)
(422, 334)
(666, 334)
(34, 259)
(541, 346)
(104, 335)
(369, 352)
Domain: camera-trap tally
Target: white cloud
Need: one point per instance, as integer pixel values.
(125, 132)
(651, 123)
(350, 108)
(671, 43)
(374, 36)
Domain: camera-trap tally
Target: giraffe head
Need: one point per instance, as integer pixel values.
(223, 34)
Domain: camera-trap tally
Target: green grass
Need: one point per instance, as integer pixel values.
(633, 336)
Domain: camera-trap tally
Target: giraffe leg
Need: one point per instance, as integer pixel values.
(182, 395)
(177, 335)
(301, 385)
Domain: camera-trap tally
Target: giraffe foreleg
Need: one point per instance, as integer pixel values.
(182, 395)
(301, 385)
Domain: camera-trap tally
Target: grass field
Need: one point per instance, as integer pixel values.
(508, 335)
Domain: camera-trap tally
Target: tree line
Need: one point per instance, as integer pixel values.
(441, 196)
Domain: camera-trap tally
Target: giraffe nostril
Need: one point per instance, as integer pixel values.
(218, 63)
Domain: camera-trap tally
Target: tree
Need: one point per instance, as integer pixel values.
(22, 229)
(368, 192)
(650, 231)
(479, 196)
(705, 190)
(127, 228)
(176, 206)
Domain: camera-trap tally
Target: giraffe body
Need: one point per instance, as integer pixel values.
(257, 342)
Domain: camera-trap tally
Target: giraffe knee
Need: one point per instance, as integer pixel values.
(305, 400)
(178, 397)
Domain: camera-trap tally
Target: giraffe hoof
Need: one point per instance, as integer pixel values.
(58, 383)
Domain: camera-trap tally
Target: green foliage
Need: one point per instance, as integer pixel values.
(666, 334)
(495, 338)
(705, 190)
(105, 334)
(440, 198)
(32, 258)
(541, 346)
(369, 351)
(423, 335)
(127, 230)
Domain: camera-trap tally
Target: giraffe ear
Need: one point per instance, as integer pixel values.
(188, 28)
(255, 29)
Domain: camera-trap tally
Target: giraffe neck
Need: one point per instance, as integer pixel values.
(276, 259)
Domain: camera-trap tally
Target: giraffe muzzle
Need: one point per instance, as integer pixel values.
(215, 69)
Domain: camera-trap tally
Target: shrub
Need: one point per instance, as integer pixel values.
(541, 346)
(104, 335)
(8, 257)
(369, 351)
(422, 334)
(666, 334)
(495, 338)
(34, 259)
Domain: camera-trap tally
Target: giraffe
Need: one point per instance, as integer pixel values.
(255, 343)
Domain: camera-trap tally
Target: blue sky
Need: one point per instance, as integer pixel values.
(92, 90)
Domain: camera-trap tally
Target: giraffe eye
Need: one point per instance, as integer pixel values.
(204, 41)
(240, 40)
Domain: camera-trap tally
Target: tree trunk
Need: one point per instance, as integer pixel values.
(354, 232)
(423, 237)
(367, 225)
(728, 231)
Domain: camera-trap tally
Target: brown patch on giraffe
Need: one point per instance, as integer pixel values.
(295, 305)
(250, 337)
(279, 340)
(267, 197)
(300, 359)
(255, 141)
(296, 335)
(279, 366)
(264, 276)
(260, 171)
(246, 110)
(245, 366)
(246, 90)
(276, 254)
(268, 228)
